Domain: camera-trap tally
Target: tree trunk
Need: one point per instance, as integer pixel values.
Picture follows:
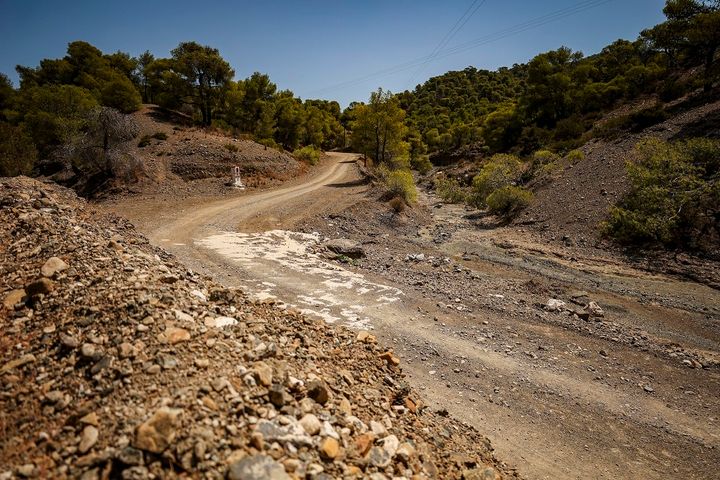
(377, 143)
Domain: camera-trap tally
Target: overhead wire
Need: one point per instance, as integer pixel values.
(459, 24)
(484, 40)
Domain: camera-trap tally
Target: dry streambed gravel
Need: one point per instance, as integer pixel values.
(117, 362)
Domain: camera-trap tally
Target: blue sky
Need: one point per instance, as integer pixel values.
(323, 48)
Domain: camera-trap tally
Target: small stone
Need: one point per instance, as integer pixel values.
(18, 362)
(52, 266)
(69, 341)
(156, 434)
(378, 457)
(648, 389)
(378, 429)
(390, 358)
(220, 322)
(390, 445)
(130, 456)
(311, 424)
(210, 403)
(594, 310)
(126, 350)
(364, 336)
(329, 449)
(88, 439)
(554, 305)
(257, 440)
(202, 362)
(90, 419)
(345, 406)
(26, 470)
(153, 369)
(90, 351)
(363, 443)
(406, 452)
(263, 373)
(13, 298)
(55, 396)
(176, 335)
(318, 391)
(257, 467)
(278, 396)
(42, 286)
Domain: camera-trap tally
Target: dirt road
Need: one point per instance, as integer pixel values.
(632, 394)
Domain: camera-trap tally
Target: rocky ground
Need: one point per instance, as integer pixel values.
(118, 362)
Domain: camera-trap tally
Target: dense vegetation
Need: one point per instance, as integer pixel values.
(674, 198)
(59, 102)
(554, 101)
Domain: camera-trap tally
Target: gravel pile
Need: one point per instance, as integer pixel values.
(117, 362)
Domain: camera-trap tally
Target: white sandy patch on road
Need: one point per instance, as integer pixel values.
(335, 294)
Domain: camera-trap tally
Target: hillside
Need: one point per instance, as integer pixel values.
(595, 183)
(174, 156)
(118, 361)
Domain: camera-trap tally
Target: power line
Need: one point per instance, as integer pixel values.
(459, 24)
(499, 35)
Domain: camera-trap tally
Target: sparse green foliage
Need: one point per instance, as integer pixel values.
(501, 170)
(575, 156)
(691, 35)
(17, 151)
(231, 147)
(674, 198)
(508, 201)
(399, 183)
(378, 129)
(421, 163)
(308, 154)
(449, 190)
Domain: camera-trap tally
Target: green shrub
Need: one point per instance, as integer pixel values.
(612, 128)
(647, 117)
(674, 198)
(500, 171)
(399, 183)
(270, 143)
(121, 94)
(421, 163)
(508, 201)
(17, 151)
(231, 147)
(575, 156)
(449, 190)
(308, 154)
(160, 136)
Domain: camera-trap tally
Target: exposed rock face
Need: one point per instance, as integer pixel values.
(112, 367)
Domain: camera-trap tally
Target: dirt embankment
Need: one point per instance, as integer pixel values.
(178, 158)
(118, 362)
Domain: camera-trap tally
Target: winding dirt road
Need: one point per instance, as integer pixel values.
(556, 400)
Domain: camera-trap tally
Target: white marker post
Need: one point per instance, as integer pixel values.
(237, 181)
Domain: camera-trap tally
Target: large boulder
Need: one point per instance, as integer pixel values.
(343, 246)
